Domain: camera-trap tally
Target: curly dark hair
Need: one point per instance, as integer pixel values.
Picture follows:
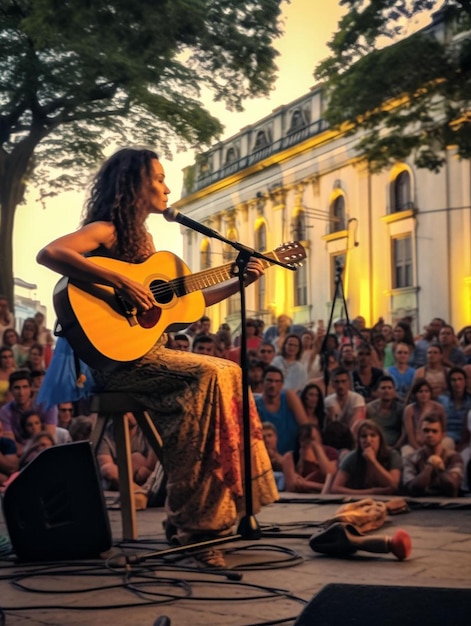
(320, 409)
(117, 196)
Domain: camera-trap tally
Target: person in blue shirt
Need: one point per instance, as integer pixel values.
(281, 407)
(401, 372)
(457, 404)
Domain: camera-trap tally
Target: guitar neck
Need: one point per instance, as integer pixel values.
(208, 278)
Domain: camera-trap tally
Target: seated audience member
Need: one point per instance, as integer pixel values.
(278, 333)
(309, 468)
(35, 360)
(387, 411)
(347, 357)
(387, 332)
(313, 402)
(65, 412)
(281, 407)
(312, 344)
(365, 377)
(339, 329)
(464, 342)
(270, 437)
(142, 456)
(419, 404)
(432, 469)
(28, 337)
(434, 371)
(289, 362)
(428, 337)
(453, 355)
(203, 344)
(344, 405)
(81, 428)
(401, 372)
(8, 457)
(10, 338)
(266, 353)
(457, 404)
(339, 436)
(328, 363)
(40, 442)
(181, 342)
(466, 456)
(45, 337)
(255, 375)
(10, 413)
(7, 367)
(37, 378)
(7, 319)
(467, 371)
(378, 343)
(221, 349)
(253, 339)
(402, 333)
(372, 468)
(30, 426)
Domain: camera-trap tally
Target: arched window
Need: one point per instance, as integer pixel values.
(297, 121)
(261, 140)
(337, 214)
(260, 285)
(401, 192)
(231, 155)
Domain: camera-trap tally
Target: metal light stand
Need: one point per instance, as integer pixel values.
(350, 329)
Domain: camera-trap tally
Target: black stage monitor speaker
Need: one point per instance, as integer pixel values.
(55, 509)
(375, 605)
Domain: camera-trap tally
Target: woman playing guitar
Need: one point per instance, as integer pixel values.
(194, 401)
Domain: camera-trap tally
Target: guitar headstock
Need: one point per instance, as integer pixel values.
(290, 253)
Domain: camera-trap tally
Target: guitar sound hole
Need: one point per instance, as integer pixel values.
(162, 291)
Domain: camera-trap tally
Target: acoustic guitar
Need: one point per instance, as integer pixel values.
(105, 330)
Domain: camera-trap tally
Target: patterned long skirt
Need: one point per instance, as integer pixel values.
(195, 402)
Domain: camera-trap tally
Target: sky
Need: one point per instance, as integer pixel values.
(308, 26)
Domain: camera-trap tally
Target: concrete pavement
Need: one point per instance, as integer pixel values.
(280, 573)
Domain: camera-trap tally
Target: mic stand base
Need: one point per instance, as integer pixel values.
(249, 528)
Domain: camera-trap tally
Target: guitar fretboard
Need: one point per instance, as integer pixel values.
(207, 278)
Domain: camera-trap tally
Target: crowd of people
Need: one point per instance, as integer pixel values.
(352, 411)
(356, 410)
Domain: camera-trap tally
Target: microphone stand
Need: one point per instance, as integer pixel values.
(248, 528)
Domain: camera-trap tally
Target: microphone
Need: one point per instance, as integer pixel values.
(173, 215)
(344, 539)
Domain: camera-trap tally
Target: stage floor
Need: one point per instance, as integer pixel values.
(279, 573)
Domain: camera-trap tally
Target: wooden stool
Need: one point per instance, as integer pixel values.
(113, 405)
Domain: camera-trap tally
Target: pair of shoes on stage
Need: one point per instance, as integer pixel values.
(210, 558)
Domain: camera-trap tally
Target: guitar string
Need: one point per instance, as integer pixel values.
(192, 282)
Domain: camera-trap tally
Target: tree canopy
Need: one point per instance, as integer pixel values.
(409, 93)
(76, 75)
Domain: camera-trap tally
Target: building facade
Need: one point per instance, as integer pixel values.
(385, 245)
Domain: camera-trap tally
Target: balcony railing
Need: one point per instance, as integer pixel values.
(290, 139)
